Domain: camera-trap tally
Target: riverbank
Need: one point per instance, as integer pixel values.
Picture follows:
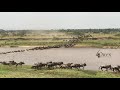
(76, 46)
(101, 47)
(27, 72)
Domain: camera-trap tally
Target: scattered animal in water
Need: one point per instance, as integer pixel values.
(99, 54)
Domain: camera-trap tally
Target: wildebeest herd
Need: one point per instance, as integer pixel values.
(109, 67)
(11, 63)
(39, 48)
(61, 65)
(68, 44)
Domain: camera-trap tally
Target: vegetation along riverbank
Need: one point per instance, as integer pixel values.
(98, 38)
(27, 72)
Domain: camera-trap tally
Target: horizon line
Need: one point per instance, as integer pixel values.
(60, 29)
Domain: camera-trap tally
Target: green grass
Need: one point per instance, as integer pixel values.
(99, 43)
(85, 43)
(111, 40)
(27, 72)
(30, 42)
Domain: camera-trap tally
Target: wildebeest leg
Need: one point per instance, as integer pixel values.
(39, 68)
(48, 67)
(83, 67)
(10, 65)
(106, 69)
(118, 70)
(16, 66)
(113, 69)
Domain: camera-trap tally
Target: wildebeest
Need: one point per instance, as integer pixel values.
(12, 63)
(117, 69)
(66, 66)
(105, 67)
(34, 67)
(53, 64)
(20, 63)
(5, 63)
(50, 65)
(38, 65)
(79, 65)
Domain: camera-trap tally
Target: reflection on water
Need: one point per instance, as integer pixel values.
(74, 55)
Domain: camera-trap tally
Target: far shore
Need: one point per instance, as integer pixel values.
(77, 46)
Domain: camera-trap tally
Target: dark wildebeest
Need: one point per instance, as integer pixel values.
(12, 63)
(63, 66)
(49, 62)
(50, 65)
(5, 63)
(66, 66)
(55, 64)
(39, 65)
(118, 66)
(20, 63)
(117, 69)
(34, 67)
(106, 67)
(78, 65)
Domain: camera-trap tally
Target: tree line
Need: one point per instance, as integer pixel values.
(81, 31)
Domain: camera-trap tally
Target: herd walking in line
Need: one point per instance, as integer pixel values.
(60, 65)
(11, 63)
(68, 44)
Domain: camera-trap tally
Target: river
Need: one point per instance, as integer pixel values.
(67, 55)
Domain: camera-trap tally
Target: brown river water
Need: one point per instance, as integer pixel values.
(66, 55)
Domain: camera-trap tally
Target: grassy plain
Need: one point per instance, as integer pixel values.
(27, 72)
(101, 40)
